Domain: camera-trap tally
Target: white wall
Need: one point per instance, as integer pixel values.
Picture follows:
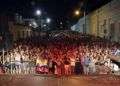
(100, 21)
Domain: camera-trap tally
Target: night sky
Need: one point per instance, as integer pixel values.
(56, 9)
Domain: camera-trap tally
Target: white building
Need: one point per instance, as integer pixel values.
(103, 22)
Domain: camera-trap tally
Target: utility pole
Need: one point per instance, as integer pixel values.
(84, 31)
(3, 55)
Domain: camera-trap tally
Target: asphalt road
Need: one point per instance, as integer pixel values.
(41, 80)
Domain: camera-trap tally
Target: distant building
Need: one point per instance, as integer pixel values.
(103, 22)
(30, 22)
(19, 31)
(4, 32)
(18, 18)
(13, 28)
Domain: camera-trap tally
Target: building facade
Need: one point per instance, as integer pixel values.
(20, 31)
(5, 36)
(103, 22)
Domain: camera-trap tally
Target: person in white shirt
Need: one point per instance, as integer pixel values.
(92, 65)
(72, 63)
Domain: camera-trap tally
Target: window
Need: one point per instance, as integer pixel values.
(18, 34)
(23, 34)
(119, 28)
(112, 30)
(84, 28)
(105, 22)
(119, 32)
(104, 27)
(27, 34)
(105, 31)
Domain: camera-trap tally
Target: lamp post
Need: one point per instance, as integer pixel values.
(38, 12)
(3, 55)
(77, 13)
(42, 22)
(48, 20)
(85, 9)
(84, 22)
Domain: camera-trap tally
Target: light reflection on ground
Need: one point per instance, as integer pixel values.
(41, 80)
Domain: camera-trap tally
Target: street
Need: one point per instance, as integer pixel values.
(41, 80)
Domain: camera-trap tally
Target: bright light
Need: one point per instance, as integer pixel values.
(44, 25)
(38, 12)
(61, 23)
(30, 24)
(77, 12)
(48, 20)
(34, 24)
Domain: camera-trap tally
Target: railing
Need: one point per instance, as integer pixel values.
(16, 67)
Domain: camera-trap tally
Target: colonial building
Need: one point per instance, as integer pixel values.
(103, 22)
(5, 36)
(19, 31)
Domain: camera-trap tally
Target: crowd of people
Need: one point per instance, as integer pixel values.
(61, 58)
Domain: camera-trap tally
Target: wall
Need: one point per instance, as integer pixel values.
(19, 31)
(103, 22)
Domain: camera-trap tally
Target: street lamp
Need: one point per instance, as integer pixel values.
(48, 20)
(77, 12)
(34, 24)
(38, 12)
(61, 23)
(44, 25)
(30, 25)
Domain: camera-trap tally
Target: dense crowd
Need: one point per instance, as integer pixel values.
(61, 58)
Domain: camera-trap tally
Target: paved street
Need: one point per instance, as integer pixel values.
(39, 80)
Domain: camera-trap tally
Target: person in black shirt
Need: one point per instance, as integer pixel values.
(51, 65)
(67, 66)
(78, 67)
